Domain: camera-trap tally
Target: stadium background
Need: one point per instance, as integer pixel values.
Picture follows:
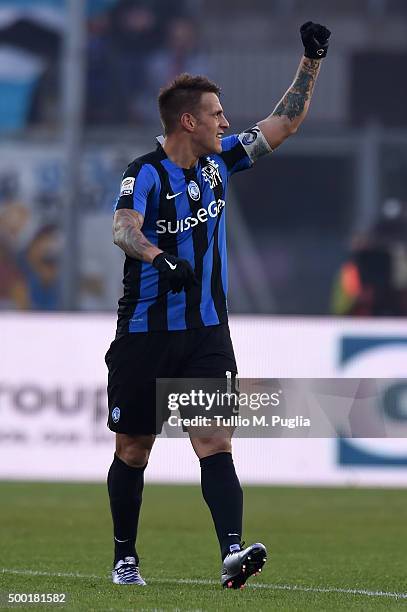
(78, 83)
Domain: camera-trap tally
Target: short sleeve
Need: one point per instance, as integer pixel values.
(137, 182)
(234, 154)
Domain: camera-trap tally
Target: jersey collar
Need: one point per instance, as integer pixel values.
(190, 171)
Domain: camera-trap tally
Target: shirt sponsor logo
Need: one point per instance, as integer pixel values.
(182, 225)
(193, 191)
(211, 173)
(127, 186)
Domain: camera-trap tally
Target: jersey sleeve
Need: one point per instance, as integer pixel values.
(234, 155)
(137, 182)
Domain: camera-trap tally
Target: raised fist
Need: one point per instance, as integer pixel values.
(315, 38)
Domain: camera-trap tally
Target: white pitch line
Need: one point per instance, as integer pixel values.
(275, 587)
(290, 587)
(5, 570)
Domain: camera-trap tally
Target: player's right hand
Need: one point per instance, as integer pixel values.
(315, 38)
(179, 272)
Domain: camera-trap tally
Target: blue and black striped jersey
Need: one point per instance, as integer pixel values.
(184, 214)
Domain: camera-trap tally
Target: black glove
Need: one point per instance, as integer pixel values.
(315, 38)
(179, 272)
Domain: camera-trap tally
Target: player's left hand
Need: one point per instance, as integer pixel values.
(178, 271)
(315, 38)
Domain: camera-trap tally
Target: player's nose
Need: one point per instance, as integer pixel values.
(224, 123)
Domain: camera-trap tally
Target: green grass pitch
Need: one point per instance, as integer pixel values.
(323, 544)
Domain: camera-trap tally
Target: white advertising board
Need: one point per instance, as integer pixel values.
(53, 406)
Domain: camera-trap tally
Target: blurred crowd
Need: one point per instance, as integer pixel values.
(29, 256)
(32, 239)
(133, 48)
(373, 279)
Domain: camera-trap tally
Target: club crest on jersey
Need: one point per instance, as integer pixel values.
(211, 173)
(194, 191)
(116, 414)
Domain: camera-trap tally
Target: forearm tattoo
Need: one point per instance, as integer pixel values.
(293, 103)
(128, 236)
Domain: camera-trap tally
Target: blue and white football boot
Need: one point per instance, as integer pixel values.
(127, 572)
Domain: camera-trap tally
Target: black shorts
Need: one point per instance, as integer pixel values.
(136, 360)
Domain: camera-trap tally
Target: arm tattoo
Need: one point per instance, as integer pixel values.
(293, 103)
(128, 236)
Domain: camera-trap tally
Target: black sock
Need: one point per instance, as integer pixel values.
(125, 485)
(223, 494)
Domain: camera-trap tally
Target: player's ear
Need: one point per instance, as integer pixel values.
(188, 122)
